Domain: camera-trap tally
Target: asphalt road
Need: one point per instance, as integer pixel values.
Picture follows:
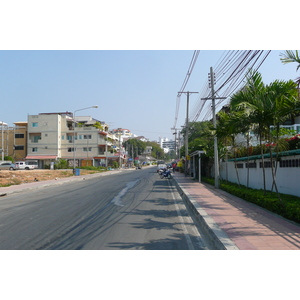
(128, 210)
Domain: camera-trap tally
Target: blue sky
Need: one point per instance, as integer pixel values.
(136, 90)
(65, 55)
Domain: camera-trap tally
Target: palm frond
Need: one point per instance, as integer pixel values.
(289, 56)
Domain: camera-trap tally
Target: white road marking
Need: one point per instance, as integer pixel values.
(185, 231)
(117, 199)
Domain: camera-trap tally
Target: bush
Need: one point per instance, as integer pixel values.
(288, 208)
(61, 164)
(115, 164)
(93, 168)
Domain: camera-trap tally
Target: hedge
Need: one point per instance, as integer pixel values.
(288, 208)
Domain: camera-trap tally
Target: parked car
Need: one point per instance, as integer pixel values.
(7, 166)
(22, 165)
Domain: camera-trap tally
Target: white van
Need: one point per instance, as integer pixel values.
(22, 165)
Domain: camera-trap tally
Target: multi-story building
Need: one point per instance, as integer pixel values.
(123, 133)
(53, 135)
(166, 144)
(13, 140)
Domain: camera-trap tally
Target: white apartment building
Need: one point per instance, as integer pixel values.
(166, 144)
(52, 136)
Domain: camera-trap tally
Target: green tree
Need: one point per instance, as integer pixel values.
(61, 164)
(230, 124)
(266, 106)
(157, 152)
(289, 57)
(201, 137)
(134, 147)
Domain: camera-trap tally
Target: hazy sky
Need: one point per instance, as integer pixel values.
(136, 90)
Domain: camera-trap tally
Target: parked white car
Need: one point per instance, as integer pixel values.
(22, 165)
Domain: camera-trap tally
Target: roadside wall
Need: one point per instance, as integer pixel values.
(287, 175)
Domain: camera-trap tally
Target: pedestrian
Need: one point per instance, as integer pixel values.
(174, 167)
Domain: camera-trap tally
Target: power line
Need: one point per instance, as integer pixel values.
(235, 63)
(187, 77)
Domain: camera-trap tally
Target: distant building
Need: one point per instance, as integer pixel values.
(122, 133)
(166, 144)
(13, 140)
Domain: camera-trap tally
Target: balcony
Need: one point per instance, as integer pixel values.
(35, 137)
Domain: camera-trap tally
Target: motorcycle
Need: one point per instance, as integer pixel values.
(166, 174)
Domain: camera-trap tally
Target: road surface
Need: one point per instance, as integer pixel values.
(133, 209)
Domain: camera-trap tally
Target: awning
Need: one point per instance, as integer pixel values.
(41, 157)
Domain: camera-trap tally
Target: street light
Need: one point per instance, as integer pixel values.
(74, 152)
(2, 143)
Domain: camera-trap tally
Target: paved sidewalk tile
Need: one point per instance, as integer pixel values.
(249, 226)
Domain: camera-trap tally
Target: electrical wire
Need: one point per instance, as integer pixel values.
(236, 63)
(187, 77)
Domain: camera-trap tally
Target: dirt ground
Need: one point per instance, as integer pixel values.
(24, 176)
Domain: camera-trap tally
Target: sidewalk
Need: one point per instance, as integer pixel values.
(235, 224)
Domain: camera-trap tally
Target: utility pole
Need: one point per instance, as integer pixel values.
(212, 81)
(173, 128)
(186, 129)
(120, 167)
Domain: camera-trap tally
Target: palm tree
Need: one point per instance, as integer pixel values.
(288, 57)
(249, 100)
(281, 97)
(229, 126)
(266, 106)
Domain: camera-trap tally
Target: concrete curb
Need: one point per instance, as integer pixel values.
(218, 238)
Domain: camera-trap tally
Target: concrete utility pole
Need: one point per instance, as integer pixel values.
(186, 128)
(2, 139)
(120, 167)
(173, 128)
(212, 82)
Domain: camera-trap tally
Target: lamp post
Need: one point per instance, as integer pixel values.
(74, 152)
(2, 139)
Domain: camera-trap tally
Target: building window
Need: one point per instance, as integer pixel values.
(71, 149)
(35, 124)
(87, 149)
(251, 165)
(35, 149)
(19, 135)
(19, 147)
(87, 137)
(267, 164)
(36, 139)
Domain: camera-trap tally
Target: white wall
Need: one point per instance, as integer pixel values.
(287, 178)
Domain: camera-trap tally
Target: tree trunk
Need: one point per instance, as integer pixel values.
(263, 164)
(274, 175)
